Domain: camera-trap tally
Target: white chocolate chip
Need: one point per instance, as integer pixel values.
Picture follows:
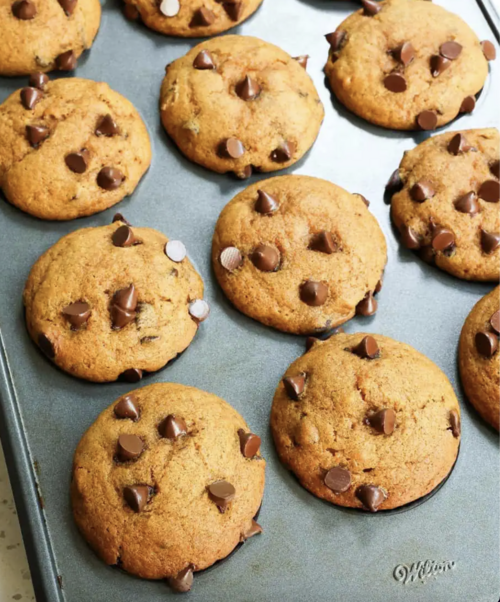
(169, 7)
(199, 310)
(175, 250)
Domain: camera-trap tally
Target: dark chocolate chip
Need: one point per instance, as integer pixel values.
(458, 144)
(427, 120)
(439, 64)
(295, 385)
(123, 237)
(495, 168)
(66, 61)
(313, 293)
(490, 191)
(77, 313)
(486, 343)
(367, 306)
(489, 50)
(367, 348)
(324, 243)
(131, 13)
(25, 10)
(222, 494)
(106, 126)
(382, 421)
(266, 203)
(467, 203)
(127, 408)
(421, 191)
(254, 529)
(121, 317)
(378, 286)
(233, 148)
(489, 241)
(183, 581)
(370, 7)
(230, 258)
(78, 162)
(370, 496)
(404, 53)
(110, 178)
(172, 427)
(336, 39)
(30, 97)
(199, 310)
(442, 239)
(249, 444)
(234, 10)
(68, 6)
(395, 183)
(132, 375)
(302, 60)
(136, 496)
(118, 217)
(283, 152)
(338, 479)
(455, 423)
(46, 346)
(265, 258)
(130, 447)
(409, 238)
(248, 89)
(126, 298)
(203, 17)
(495, 321)
(204, 61)
(244, 173)
(36, 134)
(450, 50)
(395, 82)
(38, 80)
(468, 104)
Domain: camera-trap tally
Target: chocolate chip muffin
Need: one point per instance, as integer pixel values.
(366, 422)
(42, 35)
(190, 18)
(114, 301)
(70, 147)
(445, 202)
(166, 482)
(407, 64)
(299, 254)
(235, 104)
(479, 359)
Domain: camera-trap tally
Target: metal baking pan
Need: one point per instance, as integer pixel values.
(309, 550)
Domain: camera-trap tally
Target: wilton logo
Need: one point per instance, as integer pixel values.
(421, 570)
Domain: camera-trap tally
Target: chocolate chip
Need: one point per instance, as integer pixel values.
(490, 191)
(78, 162)
(382, 421)
(458, 144)
(183, 581)
(222, 493)
(199, 310)
(132, 375)
(370, 7)
(367, 306)
(442, 239)
(68, 6)
(336, 39)
(338, 479)
(172, 427)
(313, 293)
(455, 423)
(489, 241)
(123, 237)
(77, 313)
(378, 286)
(127, 408)
(486, 343)
(365, 200)
(145, 340)
(118, 217)
(46, 346)
(30, 97)
(233, 148)
(370, 496)
(234, 10)
(169, 8)
(367, 348)
(66, 61)
(24, 10)
(110, 178)
(495, 168)
(36, 134)
(249, 443)
(266, 203)
(283, 152)
(468, 104)
(450, 50)
(130, 11)
(106, 126)
(254, 529)
(129, 447)
(409, 238)
(489, 50)
(295, 385)
(404, 53)
(467, 203)
(126, 298)
(324, 243)
(427, 120)
(265, 258)
(175, 250)
(302, 60)
(244, 173)
(38, 80)
(495, 321)
(230, 258)
(204, 61)
(121, 317)
(395, 82)
(439, 64)
(421, 191)
(427, 254)
(395, 183)
(203, 17)
(136, 496)
(310, 341)
(248, 89)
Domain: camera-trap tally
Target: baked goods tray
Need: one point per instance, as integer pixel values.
(309, 550)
